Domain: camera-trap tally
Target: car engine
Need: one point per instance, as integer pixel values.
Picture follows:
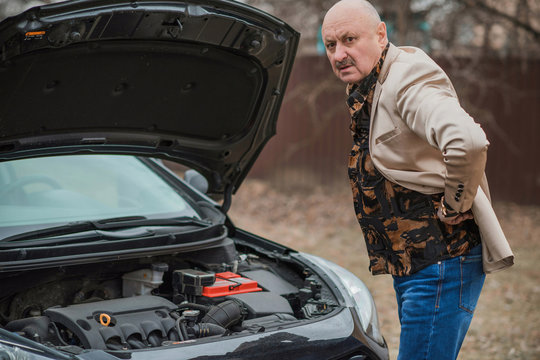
(163, 300)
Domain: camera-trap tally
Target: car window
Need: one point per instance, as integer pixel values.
(61, 189)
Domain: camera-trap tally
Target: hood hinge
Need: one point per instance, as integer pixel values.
(227, 199)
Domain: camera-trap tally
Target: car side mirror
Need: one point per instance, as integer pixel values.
(195, 179)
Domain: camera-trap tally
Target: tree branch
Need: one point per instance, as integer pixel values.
(518, 23)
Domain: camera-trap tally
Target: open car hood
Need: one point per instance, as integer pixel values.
(196, 82)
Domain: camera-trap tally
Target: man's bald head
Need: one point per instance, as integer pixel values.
(354, 37)
(361, 8)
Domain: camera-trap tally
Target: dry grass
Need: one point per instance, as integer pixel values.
(312, 219)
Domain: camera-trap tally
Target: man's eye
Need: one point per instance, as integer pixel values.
(330, 45)
(349, 39)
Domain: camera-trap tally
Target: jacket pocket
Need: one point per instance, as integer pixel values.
(388, 136)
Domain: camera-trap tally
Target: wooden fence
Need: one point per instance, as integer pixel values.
(503, 95)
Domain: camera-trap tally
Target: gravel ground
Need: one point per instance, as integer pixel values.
(507, 319)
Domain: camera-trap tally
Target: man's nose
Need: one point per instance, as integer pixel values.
(341, 52)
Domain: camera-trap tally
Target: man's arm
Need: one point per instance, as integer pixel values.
(428, 104)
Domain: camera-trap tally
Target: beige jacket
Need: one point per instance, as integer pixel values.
(421, 138)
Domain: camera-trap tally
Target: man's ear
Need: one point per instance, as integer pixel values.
(381, 34)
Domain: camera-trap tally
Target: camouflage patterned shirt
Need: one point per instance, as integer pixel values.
(401, 228)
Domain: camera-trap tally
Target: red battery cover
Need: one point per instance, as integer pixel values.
(228, 283)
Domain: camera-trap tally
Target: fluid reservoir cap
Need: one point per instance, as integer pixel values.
(160, 267)
(191, 314)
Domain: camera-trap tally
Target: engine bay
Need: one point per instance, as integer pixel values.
(164, 300)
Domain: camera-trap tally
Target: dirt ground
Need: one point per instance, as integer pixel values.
(314, 219)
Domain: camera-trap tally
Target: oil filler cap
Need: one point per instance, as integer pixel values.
(105, 319)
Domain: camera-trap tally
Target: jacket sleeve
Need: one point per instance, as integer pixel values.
(428, 104)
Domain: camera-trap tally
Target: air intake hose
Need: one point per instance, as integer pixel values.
(225, 314)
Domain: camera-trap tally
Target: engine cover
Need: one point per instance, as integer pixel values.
(120, 323)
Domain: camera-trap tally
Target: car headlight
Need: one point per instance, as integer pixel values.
(356, 295)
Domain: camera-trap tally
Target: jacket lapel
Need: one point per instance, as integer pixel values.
(392, 54)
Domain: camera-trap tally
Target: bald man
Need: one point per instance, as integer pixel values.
(417, 171)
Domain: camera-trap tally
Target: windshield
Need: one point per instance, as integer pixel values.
(63, 189)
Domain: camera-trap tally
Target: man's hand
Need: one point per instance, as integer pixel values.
(453, 220)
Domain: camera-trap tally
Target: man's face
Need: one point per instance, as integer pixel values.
(353, 43)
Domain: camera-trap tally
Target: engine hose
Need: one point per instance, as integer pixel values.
(225, 314)
(184, 330)
(135, 343)
(113, 344)
(173, 334)
(53, 326)
(154, 339)
(207, 329)
(178, 330)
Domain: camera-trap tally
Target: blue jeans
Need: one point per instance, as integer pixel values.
(436, 306)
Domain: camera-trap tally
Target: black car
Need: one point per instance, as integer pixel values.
(105, 253)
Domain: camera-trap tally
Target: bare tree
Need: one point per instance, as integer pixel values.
(462, 35)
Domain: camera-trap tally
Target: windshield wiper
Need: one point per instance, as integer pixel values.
(105, 224)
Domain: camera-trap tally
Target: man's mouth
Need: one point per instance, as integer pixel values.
(344, 65)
